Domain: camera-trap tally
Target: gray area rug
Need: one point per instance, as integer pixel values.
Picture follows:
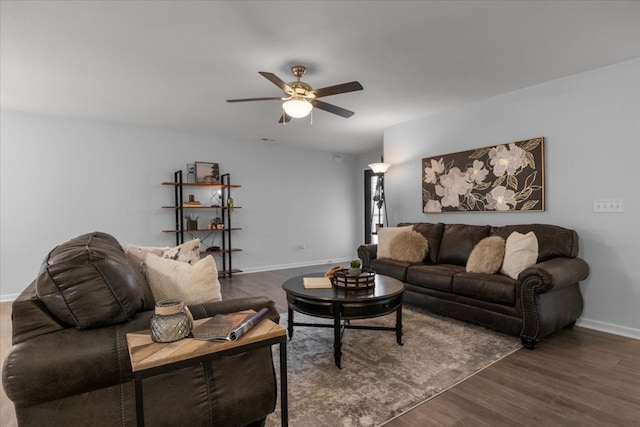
(380, 379)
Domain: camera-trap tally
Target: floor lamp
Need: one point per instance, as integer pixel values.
(379, 169)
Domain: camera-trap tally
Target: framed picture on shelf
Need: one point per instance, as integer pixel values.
(207, 173)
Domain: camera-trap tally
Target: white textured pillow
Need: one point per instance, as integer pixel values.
(193, 284)
(188, 252)
(409, 245)
(521, 251)
(486, 256)
(385, 235)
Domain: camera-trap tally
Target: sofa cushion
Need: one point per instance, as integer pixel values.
(193, 284)
(390, 267)
(492, 288)
(486, 257)
(409, 246)
(458, 240)
(433, 234)
(385, 236)
(521, 252)
(438, 276)
(88, 282)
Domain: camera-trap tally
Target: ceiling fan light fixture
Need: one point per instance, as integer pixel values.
(297, 107)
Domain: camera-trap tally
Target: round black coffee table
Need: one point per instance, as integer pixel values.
(343, 305)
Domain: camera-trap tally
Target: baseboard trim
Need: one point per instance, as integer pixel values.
(611, 328)
(294, 265)
(8, 297)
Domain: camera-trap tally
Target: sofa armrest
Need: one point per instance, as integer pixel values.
(73, 361)
(209, 309)
(555, 273)
(550, 297)
(31, 318)
(367, 253)
(70, 361)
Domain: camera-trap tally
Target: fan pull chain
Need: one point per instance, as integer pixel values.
(312, 116)
(284, 122)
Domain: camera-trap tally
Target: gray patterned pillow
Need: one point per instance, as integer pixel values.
(188, 252)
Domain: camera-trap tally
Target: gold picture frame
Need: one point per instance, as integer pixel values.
(500, 178)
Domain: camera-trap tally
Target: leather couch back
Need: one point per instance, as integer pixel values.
(88, 282)
(458, 240)
(553, 241)
(452, 243)
(433, 234)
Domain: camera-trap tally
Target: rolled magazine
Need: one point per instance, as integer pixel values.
(228, 327)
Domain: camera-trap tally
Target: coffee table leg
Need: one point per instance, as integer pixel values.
(337, 338)
(290, 322)
(399, 326)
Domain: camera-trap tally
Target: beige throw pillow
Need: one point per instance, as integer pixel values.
(193, 284)
(409, 246)
(385, 235)
(521, 251)
(486, 256)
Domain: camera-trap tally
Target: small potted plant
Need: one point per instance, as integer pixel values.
(355, 269)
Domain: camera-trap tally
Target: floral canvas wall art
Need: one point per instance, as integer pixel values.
(504, 177)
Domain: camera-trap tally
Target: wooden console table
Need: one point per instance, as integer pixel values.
(149, 358)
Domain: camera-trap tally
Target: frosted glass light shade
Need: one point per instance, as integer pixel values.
(297, 108)
(379, 167)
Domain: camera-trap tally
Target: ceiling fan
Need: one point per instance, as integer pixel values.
(301, 97)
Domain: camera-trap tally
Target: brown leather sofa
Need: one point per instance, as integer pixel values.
(544, 298)
(69, 364)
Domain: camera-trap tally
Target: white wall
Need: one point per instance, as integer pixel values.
(61, 178)
(591, 125)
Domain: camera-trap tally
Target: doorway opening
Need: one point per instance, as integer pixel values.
(375, 214)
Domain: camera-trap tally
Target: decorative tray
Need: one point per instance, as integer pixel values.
(342, 279)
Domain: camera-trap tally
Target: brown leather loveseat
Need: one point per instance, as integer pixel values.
(69, 364)
(542, 299)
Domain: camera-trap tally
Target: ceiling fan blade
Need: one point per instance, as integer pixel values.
(341, 88)
(277, 81)
(277, 98)
(284, 117)
(332, 108)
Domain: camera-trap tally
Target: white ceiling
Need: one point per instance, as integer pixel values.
(172, 64)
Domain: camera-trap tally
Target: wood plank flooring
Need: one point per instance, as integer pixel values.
(576, 377)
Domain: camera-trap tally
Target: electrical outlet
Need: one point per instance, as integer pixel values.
(608, 206)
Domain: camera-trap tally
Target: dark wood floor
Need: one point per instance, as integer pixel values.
(577, 377)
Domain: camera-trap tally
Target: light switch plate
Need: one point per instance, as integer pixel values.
(608, 205)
